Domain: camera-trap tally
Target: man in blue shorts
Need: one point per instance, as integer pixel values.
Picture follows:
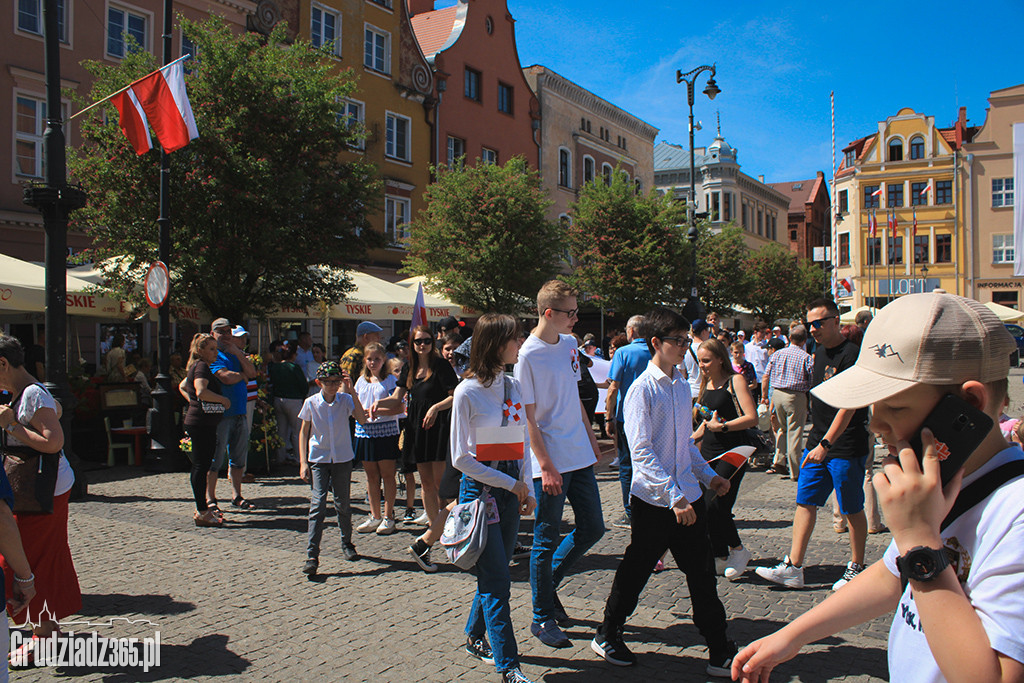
(835, 458)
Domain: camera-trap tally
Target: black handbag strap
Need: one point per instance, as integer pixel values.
(982, 488)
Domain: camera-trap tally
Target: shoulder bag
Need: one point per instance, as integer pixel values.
(33, 475)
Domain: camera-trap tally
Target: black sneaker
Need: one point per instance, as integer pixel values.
(478, 647)
(420, 552)
(521, 552)
(310, 567)
(623, 522)
(514, 676)
(410, 515)
(350, 552)
(612, 649)
(720, 663)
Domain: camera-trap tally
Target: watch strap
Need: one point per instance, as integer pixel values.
(826, 444)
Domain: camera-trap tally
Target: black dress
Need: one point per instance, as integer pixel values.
(428, 445)
(721, 526)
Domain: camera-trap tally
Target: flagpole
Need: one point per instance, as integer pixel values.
(113, 94)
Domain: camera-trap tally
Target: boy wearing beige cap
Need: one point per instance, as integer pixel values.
(954, 579)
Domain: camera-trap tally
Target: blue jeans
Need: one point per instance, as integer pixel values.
(491, 612)
(550, 560)
(336, 477)
(625, 465)
(233, 441)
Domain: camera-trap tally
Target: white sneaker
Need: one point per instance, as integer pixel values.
(369, 525)
(784, 573)
(852, 569)
(736, 563)
(387, 527)
(720, 564)
(422, 520)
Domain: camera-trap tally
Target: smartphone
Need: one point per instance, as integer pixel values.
(959, 429)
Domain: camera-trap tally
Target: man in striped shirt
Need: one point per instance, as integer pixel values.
(789, 374)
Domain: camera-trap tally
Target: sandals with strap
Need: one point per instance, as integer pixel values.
(242, 504)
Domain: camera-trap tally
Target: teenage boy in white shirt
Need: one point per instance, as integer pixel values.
(666, 498)
(563, 451)
(956, 593)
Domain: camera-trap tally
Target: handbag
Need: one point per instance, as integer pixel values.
(752, 436)
(211, 408)
(32, 475)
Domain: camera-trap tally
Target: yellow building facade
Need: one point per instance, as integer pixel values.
(907, 167)
(393, 103)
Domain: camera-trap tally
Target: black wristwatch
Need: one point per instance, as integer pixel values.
(922, 564)
(725, 426)
(826, 444)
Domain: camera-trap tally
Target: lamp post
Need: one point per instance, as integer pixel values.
(694, 309)
(924, 277)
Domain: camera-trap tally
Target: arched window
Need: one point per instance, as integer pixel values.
(564, 167)
(606, 171)
(895, 150)
(917, 147)
(588, 169)
(638, 186)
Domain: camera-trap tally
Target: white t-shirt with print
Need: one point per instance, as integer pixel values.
(547, 375)
(988, 544)
(34, 397)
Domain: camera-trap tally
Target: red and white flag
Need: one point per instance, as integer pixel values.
(847, 284)
(925, 190)
(500, 443)
(895, 221)
(157, 101)
(915, 224)
(877, 193)
(419, 312)
(873, 224)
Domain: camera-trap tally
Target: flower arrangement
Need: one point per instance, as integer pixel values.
(185, 445)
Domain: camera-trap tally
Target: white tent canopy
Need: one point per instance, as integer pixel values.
(850, 317)
(23, 289)
(1005, 313)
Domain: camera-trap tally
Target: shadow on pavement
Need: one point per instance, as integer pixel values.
(111, 604)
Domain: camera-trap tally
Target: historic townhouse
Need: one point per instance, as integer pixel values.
(988, 166)
(584, 137)
(907, 168)
(808, 221)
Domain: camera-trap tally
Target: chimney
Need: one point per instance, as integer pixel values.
(760, 178)
(419, 6)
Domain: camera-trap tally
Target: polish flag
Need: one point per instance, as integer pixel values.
(877, 193)
(157, 101)
(925, 190)
(915, 224)
(873, 224)
(500, 443)
(419, 313)
(847, 284)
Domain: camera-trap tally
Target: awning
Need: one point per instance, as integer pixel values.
(850, 317)
(1005, 313)
(23, 289)
(433, 299)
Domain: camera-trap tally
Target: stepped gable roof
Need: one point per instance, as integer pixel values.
(433, 29)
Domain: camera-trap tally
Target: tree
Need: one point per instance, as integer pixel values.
(721, 267)
(264, 213)
(629, 250)
(483, 238)
(779, 283)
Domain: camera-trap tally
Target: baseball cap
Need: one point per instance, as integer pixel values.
(932, 338)
(219, 322)
(329, 368)
(776, 343)
(449, 323)
(367, 327)
(238, 331)
(700, 325)
(741, 333)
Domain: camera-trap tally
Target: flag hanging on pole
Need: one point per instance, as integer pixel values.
(873, 224)
(877, 193)
(419, 313)
(914, 232)
(895, 223)
(925, 190)
(157, 101)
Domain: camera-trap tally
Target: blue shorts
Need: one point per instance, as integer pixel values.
(844, 475)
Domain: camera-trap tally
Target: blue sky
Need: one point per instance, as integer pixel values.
(777, 63)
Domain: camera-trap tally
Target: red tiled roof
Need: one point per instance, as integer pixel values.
(433, 28)
(949, 135)
(798, 196)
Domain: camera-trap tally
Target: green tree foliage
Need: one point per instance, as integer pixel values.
(483, 238)
(264, 212)
(721, 268)
(779, 283)
(629, 250)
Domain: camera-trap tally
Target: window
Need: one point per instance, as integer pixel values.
(564, 167)
(894, 195)
(944, 192)
(588, 169)
(745, 221)
(775, 234)
(917, 148)
(921, 249)
(456, 151)
(353, 118)
(606, 171)
(505, 98)
(30, 17)
(727, 206)
(944, 248)
(1008, 299)
(188, 48)
(471, 86)
(844, 201)
(1002, 248)
(760, 222)
(399, 133)
(918, 197)
(844, 249)
(1002, 192)
(323, 29)
(896, 250)
(896, 150)
(792, 235)
(848, 159)
(716, 209)
(377, 50)
(28, 136)
(488, 156)
(121, 23)
(874, 251)
(396, 220)
(870, 198)
(638, 186)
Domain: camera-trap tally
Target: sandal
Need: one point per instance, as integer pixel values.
(207, 519)
(242, 504)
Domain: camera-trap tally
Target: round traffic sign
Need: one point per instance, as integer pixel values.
(157, 284)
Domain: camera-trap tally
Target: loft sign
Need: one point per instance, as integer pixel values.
(907, 285)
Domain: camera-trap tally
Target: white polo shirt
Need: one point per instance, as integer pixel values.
(330, 440)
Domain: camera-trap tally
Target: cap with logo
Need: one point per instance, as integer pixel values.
(933, 338)
(218, 323)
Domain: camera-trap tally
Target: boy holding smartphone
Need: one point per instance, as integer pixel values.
(956, 587)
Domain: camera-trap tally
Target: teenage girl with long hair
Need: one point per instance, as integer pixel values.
(721, 389)
(377, 440)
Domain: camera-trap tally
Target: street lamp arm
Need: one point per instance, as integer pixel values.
(680, 76)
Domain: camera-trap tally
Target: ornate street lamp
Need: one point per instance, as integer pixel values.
(694, 309)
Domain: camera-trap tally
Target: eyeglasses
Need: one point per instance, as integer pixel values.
(422, 341)
(678, 341)
(332, 382)
(816, 324)
(573, 313)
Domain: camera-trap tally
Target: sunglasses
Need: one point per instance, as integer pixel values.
(421, 341)
(816, 324)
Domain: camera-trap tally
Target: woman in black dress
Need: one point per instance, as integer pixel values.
(721, 390)
(429, 382)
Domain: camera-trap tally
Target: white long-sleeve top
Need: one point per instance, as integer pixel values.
(667, 466)
(478, 406)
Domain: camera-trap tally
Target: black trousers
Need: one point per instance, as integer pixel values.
(721, 525)
(204, 442)
(655, 530)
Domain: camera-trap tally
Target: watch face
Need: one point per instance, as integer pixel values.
(922, 564)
